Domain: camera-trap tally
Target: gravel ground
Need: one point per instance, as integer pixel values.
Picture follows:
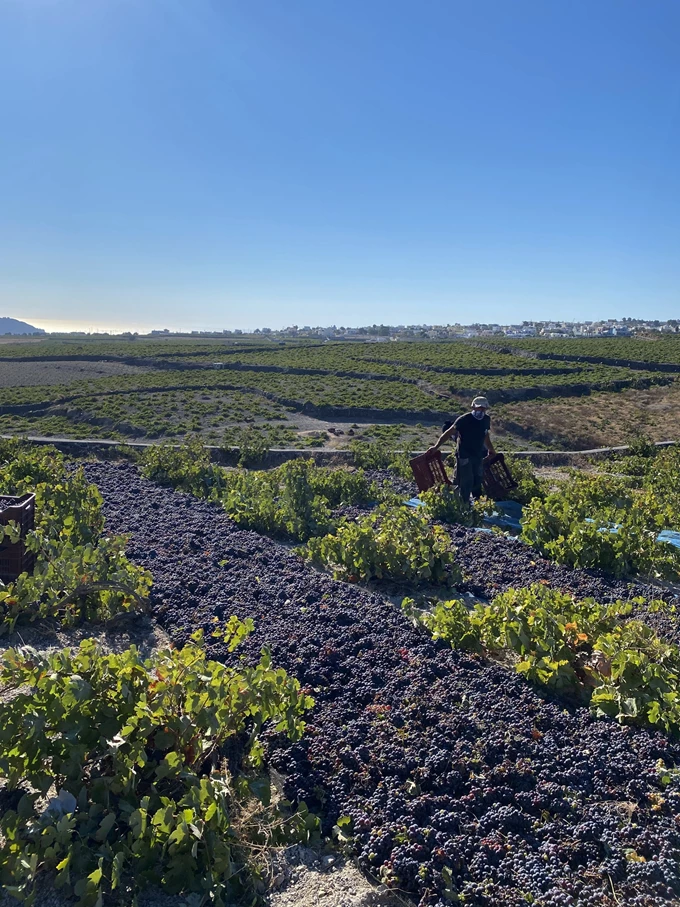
(31, 374)
(305, 878)
(314, 879)
(455, 773)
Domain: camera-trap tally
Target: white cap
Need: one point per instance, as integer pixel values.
(481, 401)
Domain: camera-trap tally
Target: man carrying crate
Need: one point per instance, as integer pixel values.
(471, 432)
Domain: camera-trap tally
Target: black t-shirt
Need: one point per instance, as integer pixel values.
(472, 433)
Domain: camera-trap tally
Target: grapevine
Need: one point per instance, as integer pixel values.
(79, 574)
(389, 543)
(580, 648)
(133, 750)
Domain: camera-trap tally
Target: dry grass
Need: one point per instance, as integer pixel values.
(599, 420)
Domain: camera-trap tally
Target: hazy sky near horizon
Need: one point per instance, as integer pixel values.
(215, 164)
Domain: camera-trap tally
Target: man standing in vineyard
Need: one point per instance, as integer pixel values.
(471, 432)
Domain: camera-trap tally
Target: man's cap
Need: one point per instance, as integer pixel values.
(481, 401)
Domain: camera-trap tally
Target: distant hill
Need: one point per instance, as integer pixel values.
(12, 326)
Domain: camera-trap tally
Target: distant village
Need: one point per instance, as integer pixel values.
(382, 333)
(377, 333)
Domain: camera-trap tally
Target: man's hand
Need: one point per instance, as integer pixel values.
(432, 449)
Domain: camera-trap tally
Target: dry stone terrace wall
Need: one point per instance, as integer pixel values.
(457, 776)
(528, 353)
(388, 384)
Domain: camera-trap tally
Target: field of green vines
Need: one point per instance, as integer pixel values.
(287, 394)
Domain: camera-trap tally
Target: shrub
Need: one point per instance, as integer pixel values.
(583, 649)
(598, 521)
(282, 502)
(445, 504)
(662, 481)
(73, 583)
(447, 620)
(529, 485)
(400, 464)
(252, 445)
(78, 574)
(66, 507)
(133, 749)
(394, 543)
(187, 467)
(292, 501)
(340, 486)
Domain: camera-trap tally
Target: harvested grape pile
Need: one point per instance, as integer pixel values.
(492, 563)
(458, 777)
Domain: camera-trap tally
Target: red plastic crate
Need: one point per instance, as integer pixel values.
(15, 559)
(428, 470)
(497, 478)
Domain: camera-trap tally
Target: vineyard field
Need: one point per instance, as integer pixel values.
(399, 720)
(291, 393)
(469, 720)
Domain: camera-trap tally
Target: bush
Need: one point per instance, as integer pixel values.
(66, 507)
(340, 486)
(400, 464)
(529, 485)
(73, 583)
(292, 501)
(443, 503)
(252, 445)
(662, 481)
(636, 462)
(394, 543)
(133, 750)
(592, 652)
(378, 455)
(187, 467)
(448, 620)
(78, 575)
(598, 521)
(282, 502)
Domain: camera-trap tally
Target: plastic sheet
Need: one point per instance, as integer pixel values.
(507, 516)
(670, 536)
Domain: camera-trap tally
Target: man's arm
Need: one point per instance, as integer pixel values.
(489, 444)
(445, 435)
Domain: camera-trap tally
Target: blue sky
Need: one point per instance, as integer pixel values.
(213, 164)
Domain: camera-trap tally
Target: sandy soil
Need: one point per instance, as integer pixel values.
(20, 339)
(32, 374)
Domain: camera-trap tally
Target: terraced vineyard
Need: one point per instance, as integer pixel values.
(645, 352)
(290, 394)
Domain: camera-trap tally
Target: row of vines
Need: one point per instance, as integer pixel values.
(112, 766)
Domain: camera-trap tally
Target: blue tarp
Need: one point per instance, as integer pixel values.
(509, 515)
(669, 536)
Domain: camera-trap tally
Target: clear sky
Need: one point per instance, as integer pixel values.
(215, 164)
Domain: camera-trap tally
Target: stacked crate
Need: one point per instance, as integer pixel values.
(14, 558)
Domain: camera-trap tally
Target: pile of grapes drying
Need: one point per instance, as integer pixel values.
(459, 782)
